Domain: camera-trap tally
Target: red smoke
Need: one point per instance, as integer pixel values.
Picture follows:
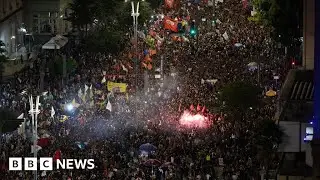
(193, 120)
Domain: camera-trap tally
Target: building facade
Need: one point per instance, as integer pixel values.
(47, 16)
(10, 21)
(32, 22)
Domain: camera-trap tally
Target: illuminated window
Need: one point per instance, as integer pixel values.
(309, 134)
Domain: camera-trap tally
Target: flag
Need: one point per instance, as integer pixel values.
(212, 81)
(245, 4)
(91, 92)
(152, 52)
(124, 68)
(83, 98)
(74, 103)
(80, 93)
(225, 36)
(103, 80)
(170, 24)
(191, 107)
(63, 118)
(23, 92)
(52, 112)
(44, 173)
(129, 65)
(141, 35)
(92, 103)
(85, 89)
(149, 66)
(21, 116)
(109, 106)
(203, 109)
(37, 148)
(147, 59)
(198, 107)
(57, 154)
(169, 3)
(43, 142)
(81, 145)
(81, 120)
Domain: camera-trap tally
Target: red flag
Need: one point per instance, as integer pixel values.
(57, 155)
(170, 24)
(191, 107)
(43, 142)
(203, 109)
(117, 67)
(245, 4)
(152, 33)
(198, 107)
(169, 3)
(81, 120)
(129, 65)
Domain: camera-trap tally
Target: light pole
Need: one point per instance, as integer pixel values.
(34, 111)
(135, 14)
(13, 42)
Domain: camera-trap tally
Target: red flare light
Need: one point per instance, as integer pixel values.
(193, 120)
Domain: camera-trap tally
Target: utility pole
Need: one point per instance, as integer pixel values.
(34, 111)
(135, 14)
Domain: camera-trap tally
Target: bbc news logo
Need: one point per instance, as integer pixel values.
(46, 164)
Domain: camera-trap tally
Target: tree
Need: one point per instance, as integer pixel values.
(109, 22)
(239, 96)
(106, 40)
(8, 121)
(145, 11)
(82, 14)
(155, 3)
(269, 136)
(56, 67)
(107, 13)
(285, 16)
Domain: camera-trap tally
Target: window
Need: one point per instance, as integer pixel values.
(309, 134)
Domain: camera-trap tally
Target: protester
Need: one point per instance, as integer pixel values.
(110, 126)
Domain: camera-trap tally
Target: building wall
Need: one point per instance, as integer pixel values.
(308, 33)
(47, 16)
(9, 29)
(8, 7)
(293, 140)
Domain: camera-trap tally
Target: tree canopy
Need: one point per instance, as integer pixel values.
(8, 121)
(107, 23)
(285, 16)
(239, 96)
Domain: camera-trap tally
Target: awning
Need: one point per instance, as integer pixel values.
(56, 42)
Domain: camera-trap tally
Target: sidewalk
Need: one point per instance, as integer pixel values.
(13, 66)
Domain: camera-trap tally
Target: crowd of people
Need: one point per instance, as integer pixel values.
(110, 126)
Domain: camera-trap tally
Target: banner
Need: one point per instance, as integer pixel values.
(122, 87)
(170, 24)
(169, 3)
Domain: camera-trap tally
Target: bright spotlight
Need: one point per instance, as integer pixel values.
(69, 107)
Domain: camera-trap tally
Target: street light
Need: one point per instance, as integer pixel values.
(69, 107)
(135, 14)
(34, 111)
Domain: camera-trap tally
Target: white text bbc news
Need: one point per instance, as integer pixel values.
(47, 164)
